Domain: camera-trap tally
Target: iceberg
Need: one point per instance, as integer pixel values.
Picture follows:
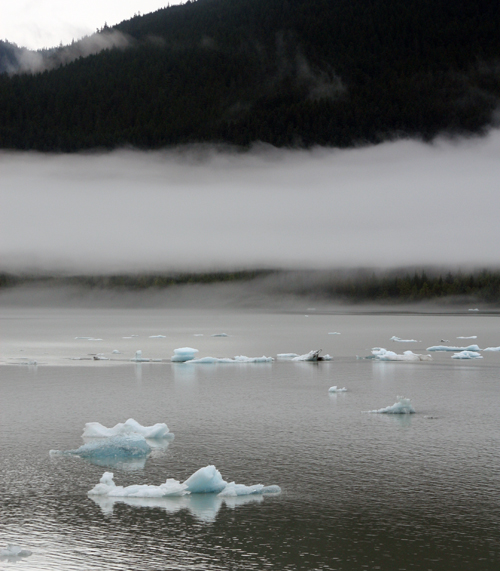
(13, 551)
(336, 389)
(403, 406)
(467, 355)
(131, 426)
(183, 354)
(381, 354)
(116, 448)
(399, 340)
(207, 480)
(139, 358)
(470, 337)
(237, 359)
(450, 348)
(492, 349)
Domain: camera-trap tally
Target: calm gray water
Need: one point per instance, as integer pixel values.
(359, 491)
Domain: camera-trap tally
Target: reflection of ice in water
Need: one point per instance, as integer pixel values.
(203, 507)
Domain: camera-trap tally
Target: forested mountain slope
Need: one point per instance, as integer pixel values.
(286, 72)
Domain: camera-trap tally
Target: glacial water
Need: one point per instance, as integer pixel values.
(359, 490)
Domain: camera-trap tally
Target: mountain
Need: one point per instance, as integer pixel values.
(286, 72)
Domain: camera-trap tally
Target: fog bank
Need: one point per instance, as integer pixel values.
(396, 204)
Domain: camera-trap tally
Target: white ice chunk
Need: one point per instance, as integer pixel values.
(470, 337)
(333, 333)
(467, 355)
(220, 335)
(403, 406)
(100, 357)
(184, 354)
(311, 356)
(336, 389)
(139, 358)
(131, 426)
(107, 487)
(492, 349)
(237, 359)
(205, 481)
(399, 340)
(116, 447)
(475, 309)
(287, 356)
(450, 348)
(115, 352)
(244, 359)
(198, 334)
(14, 551)
(381, 354)
(326, 357)
(157, 336)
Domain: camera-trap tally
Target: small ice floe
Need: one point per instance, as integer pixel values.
(451, 348)
(131, 426)
(14, 551)
(311, 356)
(94, 339)
(470, 337)
(475, 309)
(286, 356)
(220, 335)
(83, 338)
(492, 349)
(206, 480)
(157, 336)
(183, 354)
(237, 359)
(116, 352)
(467, 355)
(381, 354)
(403, 406)
(336, 389)
(115, 448)
(198, 334)
(100, 357)
(139, 358)
(399, 340)
(333, 333)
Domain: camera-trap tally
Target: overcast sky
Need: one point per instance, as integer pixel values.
(39, 24)
(395, 204)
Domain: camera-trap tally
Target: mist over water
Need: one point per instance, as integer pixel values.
(396, 204)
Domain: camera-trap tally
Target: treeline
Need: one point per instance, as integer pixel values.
(285, 72)
(483, 286)
(393, 287)
(129, 281)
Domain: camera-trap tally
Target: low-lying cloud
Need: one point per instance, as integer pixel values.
(396, 204)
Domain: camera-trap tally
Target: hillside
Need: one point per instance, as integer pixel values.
(286, 72)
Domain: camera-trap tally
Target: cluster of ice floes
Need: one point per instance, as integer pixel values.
(403, 406)
(381, 354)
(14, 551)
(311, 356)
(131, 426)
(207, 480)
(467, 355)
(336, 389)
(451, 348)
(399, 340)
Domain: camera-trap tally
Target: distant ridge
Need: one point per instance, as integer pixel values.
(285, 72)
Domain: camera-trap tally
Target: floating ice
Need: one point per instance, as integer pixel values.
(13, 551)
(467, 355)
(198, 335)
(475, 309)
(399, 340)
(207, 480)
(287, 356)
(220, 335)
(139, 358)
(83, 338)
(492, 349)
(116, 448)
(449, 348)
(311, 356)
(470, 337)
(237, 359)
(381, 354)
(333, 333)
(131, 426)
(157, 336)
(183, 354)
(100, 357)
(403, 406)
(336, 389)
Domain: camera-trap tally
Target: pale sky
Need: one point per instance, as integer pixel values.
(36, 24)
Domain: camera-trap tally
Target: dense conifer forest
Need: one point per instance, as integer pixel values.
(361, 286)
(285, 72)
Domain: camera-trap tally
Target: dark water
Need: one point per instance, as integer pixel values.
(359, 491)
